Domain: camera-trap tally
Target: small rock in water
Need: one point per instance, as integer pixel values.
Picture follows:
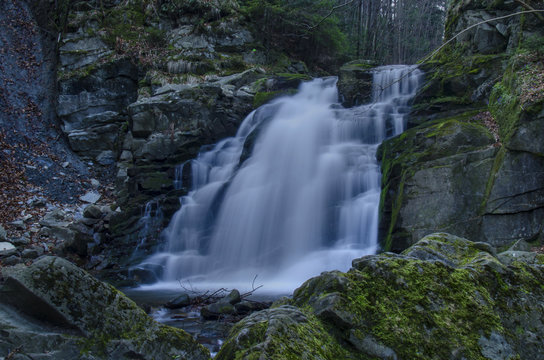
(233, 297)
(90, 197)
(65, 164)
(215, 310)
(178, 302)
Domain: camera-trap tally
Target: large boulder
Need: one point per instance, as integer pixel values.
(89, 318)
(443, 298)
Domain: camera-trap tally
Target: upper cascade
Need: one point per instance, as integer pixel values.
(305, 201)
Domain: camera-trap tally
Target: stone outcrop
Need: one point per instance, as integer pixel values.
(472, 163)
(355, 83)
(68, 314)
(445, 297)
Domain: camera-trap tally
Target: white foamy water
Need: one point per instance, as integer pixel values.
(305, 201)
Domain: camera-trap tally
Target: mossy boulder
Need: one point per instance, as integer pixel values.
(355, 82)
(94, 318)
(444, 298)
(281, 333)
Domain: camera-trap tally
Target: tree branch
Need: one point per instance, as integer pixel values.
(331, 11)
(429, 57)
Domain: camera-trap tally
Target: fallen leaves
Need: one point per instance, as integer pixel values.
(487, 119)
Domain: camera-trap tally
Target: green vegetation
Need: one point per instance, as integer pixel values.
(300, 29)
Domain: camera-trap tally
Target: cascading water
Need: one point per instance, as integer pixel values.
(305, 201)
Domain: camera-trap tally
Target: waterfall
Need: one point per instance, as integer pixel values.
(306, 199)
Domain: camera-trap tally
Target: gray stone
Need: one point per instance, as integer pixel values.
(93, 212)
(216, 310)
(106, 157)
(95, 183)
(232, 298)
(3, 234)
(495, 347)
(371, 347)
(521, 245)
(527, 137)
(11, 260)
(126, 155)
(79, 241)
(20, 241)
(518, 185)
(90, 197)
(7, 249)
(508, 257)
(58, 293)
(18, 224)
(30, 253)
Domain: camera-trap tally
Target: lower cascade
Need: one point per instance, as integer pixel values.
(306, 199)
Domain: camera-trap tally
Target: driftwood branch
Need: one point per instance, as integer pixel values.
(529, 7)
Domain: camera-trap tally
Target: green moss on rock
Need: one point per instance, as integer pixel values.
(282, 333)
(443, 298)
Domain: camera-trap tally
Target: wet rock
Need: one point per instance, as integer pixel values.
(179, 301)
(232, 298)
(216, 310)
(146, 274)
(355, 82)
(246, 307)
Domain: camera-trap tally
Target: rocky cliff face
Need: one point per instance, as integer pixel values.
(472, 163)
(143, 85)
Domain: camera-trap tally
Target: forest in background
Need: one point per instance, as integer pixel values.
(328, 32)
